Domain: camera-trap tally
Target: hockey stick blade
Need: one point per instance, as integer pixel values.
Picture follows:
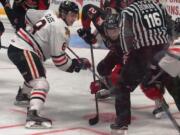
(94, 120)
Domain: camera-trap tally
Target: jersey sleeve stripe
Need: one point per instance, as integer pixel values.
(60, 61)
(23, 35)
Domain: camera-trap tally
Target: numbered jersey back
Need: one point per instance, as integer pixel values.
(148, 21)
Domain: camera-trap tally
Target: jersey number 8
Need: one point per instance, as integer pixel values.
(38, 25)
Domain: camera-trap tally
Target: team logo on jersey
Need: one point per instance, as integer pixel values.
(67, 32)
(64, 46)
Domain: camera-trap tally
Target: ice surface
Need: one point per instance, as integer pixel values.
(70, 104)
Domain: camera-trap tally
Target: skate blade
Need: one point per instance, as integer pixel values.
(119, 132)
(160, 115)
(105, 98)
(103, 94)
(21, 103)
(36, 125)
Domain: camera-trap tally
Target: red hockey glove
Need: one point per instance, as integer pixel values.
(95, 86)
(152, 92)
(87, 36)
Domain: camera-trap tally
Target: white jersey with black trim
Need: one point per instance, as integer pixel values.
(32, 16)
(48, 37)
(170, 63)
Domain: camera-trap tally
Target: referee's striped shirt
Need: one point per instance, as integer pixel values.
(142, 24)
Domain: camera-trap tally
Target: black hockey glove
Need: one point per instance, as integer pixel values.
(87, 36)
(177, 25)
(78, 64)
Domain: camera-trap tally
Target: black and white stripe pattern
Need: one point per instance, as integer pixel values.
(142, 34)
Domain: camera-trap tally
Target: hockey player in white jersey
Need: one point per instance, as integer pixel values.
(48, 38)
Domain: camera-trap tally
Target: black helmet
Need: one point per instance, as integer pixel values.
(111, 21)
(67, 6)
(104, 4)
(126, 3)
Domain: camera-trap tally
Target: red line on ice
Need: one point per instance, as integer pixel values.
(70, 129)
(11, 126)
(19, 111)
(138, 107)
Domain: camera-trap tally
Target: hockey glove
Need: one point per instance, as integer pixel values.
(87, 36)
(85, 63)
(152, 92)
(78, 64)
(177, 25)
(96, 86)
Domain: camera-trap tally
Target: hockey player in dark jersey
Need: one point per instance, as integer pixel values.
(97, 16)
(143, 33)
(91, 13)
(16, 13)
(109, 68)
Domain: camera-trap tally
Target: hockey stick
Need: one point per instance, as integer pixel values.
(172, 119)
(163, 104)
(94, 120)
(89, 69)
(170, 116)
(156, 77)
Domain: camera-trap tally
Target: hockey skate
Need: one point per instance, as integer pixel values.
(118, 130)
(159, 112)
(34, 121)
(22, 99)
(103, 94)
